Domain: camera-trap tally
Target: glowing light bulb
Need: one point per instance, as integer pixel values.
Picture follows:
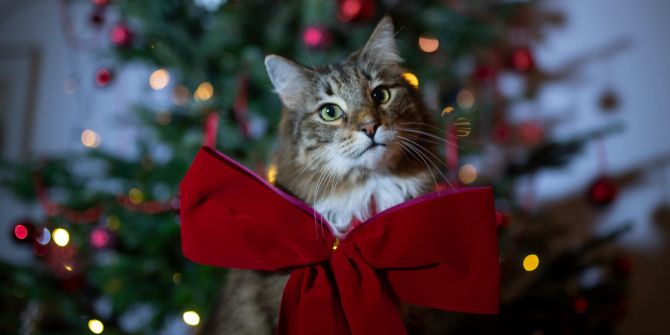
(447, 110)
(428, 43)
(61, 237)
(90, 138)
(159, 79)
(44, 237)
(95, 326)
(191, 318)
(21, 231)
(467, 174)
(272, 173)
(531, 262)
(205, 91)
(411, 79)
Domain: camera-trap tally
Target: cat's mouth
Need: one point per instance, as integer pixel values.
(373, 146)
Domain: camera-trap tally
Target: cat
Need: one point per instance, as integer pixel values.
(355, 138)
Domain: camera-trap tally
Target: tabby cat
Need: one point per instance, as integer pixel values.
(355, 139)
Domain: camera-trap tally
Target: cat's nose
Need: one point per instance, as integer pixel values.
(369, 128)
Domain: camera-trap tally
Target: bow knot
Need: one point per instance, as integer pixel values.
(439, 250)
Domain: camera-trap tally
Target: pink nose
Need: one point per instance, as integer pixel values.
(370, 128)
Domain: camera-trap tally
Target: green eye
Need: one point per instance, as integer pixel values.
(381, 95)
(331, 112)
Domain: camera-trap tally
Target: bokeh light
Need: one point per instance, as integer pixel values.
(428, 43)
(531, 262)
(467, 174)
(447, 110)
(272, 173)
(61, 237)
(465, 99)
(411, 79)
(44, 237)
(159, 79)
(191, 318)
(204, 92)
(21, 231)
(96, 326)
(90, 138)
(180, 95)
(135, 195)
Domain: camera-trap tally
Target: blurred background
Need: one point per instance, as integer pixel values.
(561, 106)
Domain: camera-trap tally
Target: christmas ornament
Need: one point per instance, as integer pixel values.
(121, 35)
(608, 101)
(348, 285)
(103, 77)
(355, 10)
(522, 59)
(602, 191)
(316, 37)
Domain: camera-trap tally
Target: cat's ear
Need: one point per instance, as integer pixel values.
(381, 47)
(288, 78)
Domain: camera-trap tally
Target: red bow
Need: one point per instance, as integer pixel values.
(438, 251)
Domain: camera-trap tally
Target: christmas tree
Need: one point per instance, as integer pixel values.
(107, 245)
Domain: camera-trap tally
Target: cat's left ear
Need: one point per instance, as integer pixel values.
(381, 47)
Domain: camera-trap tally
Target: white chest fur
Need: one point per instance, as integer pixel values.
(387, 190)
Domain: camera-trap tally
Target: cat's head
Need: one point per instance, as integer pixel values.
(359, 115)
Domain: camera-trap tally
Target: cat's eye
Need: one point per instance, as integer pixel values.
(381, 95)
(331, 112)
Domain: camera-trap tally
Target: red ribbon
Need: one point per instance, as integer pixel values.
(438, 251)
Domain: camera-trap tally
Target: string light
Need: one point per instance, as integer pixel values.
(21, 231)
(191, 318)
(447, 110)
(95, 326)
(68, 267)
(159, 79)
(90, 138)
(428, 44)
(531, 262)
(411, 79)
(176, 278)
(61, 237)
(465, 99)
(205, 91)
(272, 173)
(113, 223)
(135, 195)
(463, 127)
(467, 174)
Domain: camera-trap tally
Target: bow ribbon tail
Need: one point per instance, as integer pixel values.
(310, 304)
(368, 305)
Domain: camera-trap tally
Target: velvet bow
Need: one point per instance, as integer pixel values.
(439, 250)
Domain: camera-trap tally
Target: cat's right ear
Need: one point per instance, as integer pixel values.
(288, 78)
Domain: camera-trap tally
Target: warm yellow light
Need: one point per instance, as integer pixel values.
(463, 127)
(531, 262)
(428, 43)
(180, 95)
(447, 110)
(135, 195)
(411, 79)
(61, 237)
(191, 318)
(95, 326)
(159, 79)
(90, 138)
(205, 91)
(467, 174)
(272, 173)
(176, 278)
(68, 267)
(465, 99)
(113, 223)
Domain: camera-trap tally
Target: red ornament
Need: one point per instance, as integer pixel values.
(316, 37)
(352, 285)
(522, 59)
(121, 35)
(100, 238)
(354, 10)
(602, 191)
(531, 133)
(103, 77)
